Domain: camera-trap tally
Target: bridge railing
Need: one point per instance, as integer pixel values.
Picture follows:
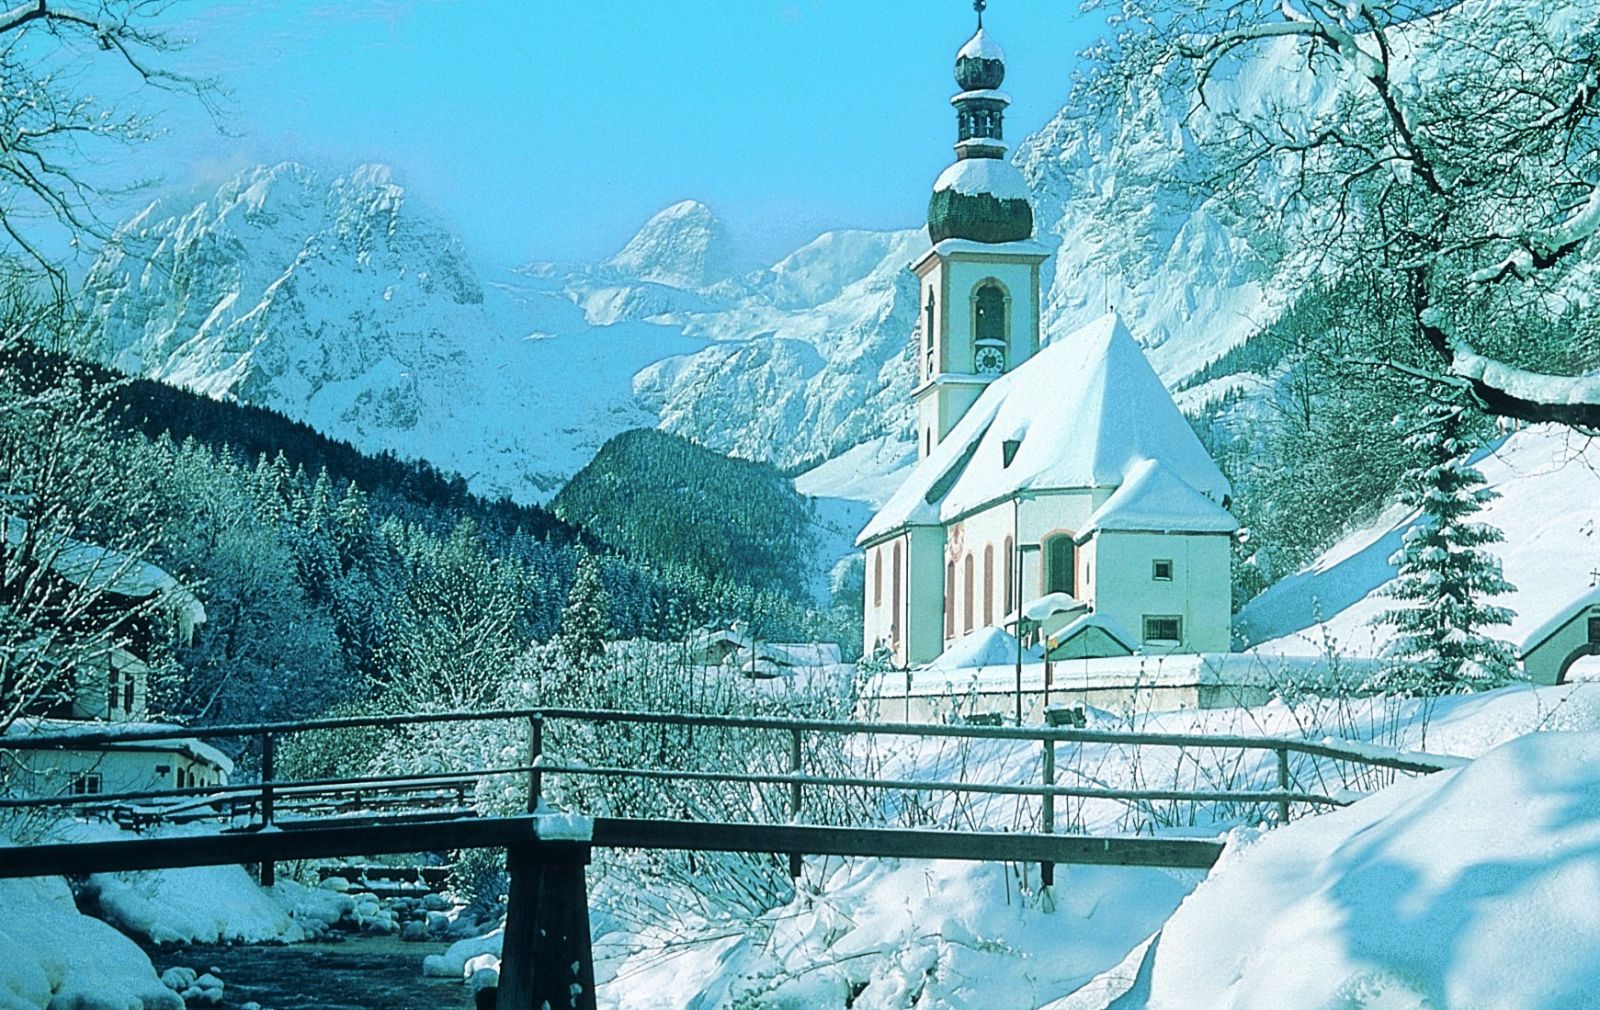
(261, 800)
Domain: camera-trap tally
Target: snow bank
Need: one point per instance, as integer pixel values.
(453, 962)
(207, 904)
(1471, 888)
(1545, 476)
(214, 904)
(899, 934)
(51, 956)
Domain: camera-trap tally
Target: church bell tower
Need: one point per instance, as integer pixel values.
(979, 283)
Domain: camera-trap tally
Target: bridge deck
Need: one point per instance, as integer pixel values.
(322, 838)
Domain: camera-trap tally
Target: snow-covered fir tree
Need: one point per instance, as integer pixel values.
(1445, 578)
(584, 621)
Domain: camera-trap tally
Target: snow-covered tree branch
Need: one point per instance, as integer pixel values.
(50, 122)
(1454, 144)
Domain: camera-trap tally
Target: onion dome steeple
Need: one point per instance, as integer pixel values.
(981, 197)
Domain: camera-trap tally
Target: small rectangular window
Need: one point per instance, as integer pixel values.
(1163, 629)
(1594, 630)
(86, 784)
(1161, 570)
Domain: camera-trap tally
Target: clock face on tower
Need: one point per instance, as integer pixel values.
(990, 360)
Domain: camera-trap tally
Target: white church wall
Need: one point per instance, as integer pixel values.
(1198, 591)
(909, 623)
(1026, 523)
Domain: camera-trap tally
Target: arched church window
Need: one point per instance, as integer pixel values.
(877, 578)
(949, 599)
(1060, 565)
(988, 585)
(927, 336)
(894, 597)
(966, 594)
(1011, 576)
(991, 322)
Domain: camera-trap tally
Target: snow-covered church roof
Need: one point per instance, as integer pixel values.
(1153, 499)
(1085, 412)
(981, 46)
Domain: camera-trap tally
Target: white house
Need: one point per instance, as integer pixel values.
(1057, 485)
(110, 688)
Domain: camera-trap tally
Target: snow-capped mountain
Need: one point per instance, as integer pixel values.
(337, 302)
(342, 303)
(684, 246)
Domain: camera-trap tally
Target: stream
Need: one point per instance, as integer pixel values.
(364, 973)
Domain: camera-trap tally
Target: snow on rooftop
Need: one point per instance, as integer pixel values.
(1087, 409)
(1047, 606)
(103, 569)
(981, 46)
(180, 742)
(989, 93)
(989, 646)
(1153, 499)
(1559, 619)
(1101, 622)
(975, 176)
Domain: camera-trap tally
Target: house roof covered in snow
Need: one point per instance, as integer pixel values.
(1092, 622)
(171, 741)
(102, 569)
(1560, 619)
(987, 646)
(1153, 499)
(1084, 413)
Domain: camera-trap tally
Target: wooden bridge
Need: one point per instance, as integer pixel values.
(546, 946)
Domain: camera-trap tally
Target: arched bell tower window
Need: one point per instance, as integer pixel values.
(927, 336)
(989, 328)
(991, 323)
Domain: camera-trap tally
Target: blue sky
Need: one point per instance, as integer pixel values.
(552, 131)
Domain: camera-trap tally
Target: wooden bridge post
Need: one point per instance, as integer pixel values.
(269, 869)
(535, 753)
(546, 957)
(796, 757)
(1283, 784)
(1047, 871)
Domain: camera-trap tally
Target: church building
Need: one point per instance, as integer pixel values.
(1058, 491)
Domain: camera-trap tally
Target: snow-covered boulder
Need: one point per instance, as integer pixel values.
(454, 961)
(54, 958)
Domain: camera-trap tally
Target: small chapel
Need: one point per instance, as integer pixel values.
(1059, 493)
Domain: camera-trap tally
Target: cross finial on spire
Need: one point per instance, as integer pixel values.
(979, 5)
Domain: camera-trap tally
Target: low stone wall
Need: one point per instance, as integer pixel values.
(1133, 684)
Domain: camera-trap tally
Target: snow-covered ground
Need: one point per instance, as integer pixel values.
(1473, 887)
(1551, 552)
(905, 933)
(52, 956)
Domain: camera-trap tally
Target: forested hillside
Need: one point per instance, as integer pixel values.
(329, 577)
(663, 500)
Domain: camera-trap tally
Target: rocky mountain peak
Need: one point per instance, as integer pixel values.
(684, 246)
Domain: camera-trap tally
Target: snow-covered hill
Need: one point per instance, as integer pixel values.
(1547, 479)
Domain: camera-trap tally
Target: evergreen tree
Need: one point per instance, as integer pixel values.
(584, 621)
(1445, 576)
